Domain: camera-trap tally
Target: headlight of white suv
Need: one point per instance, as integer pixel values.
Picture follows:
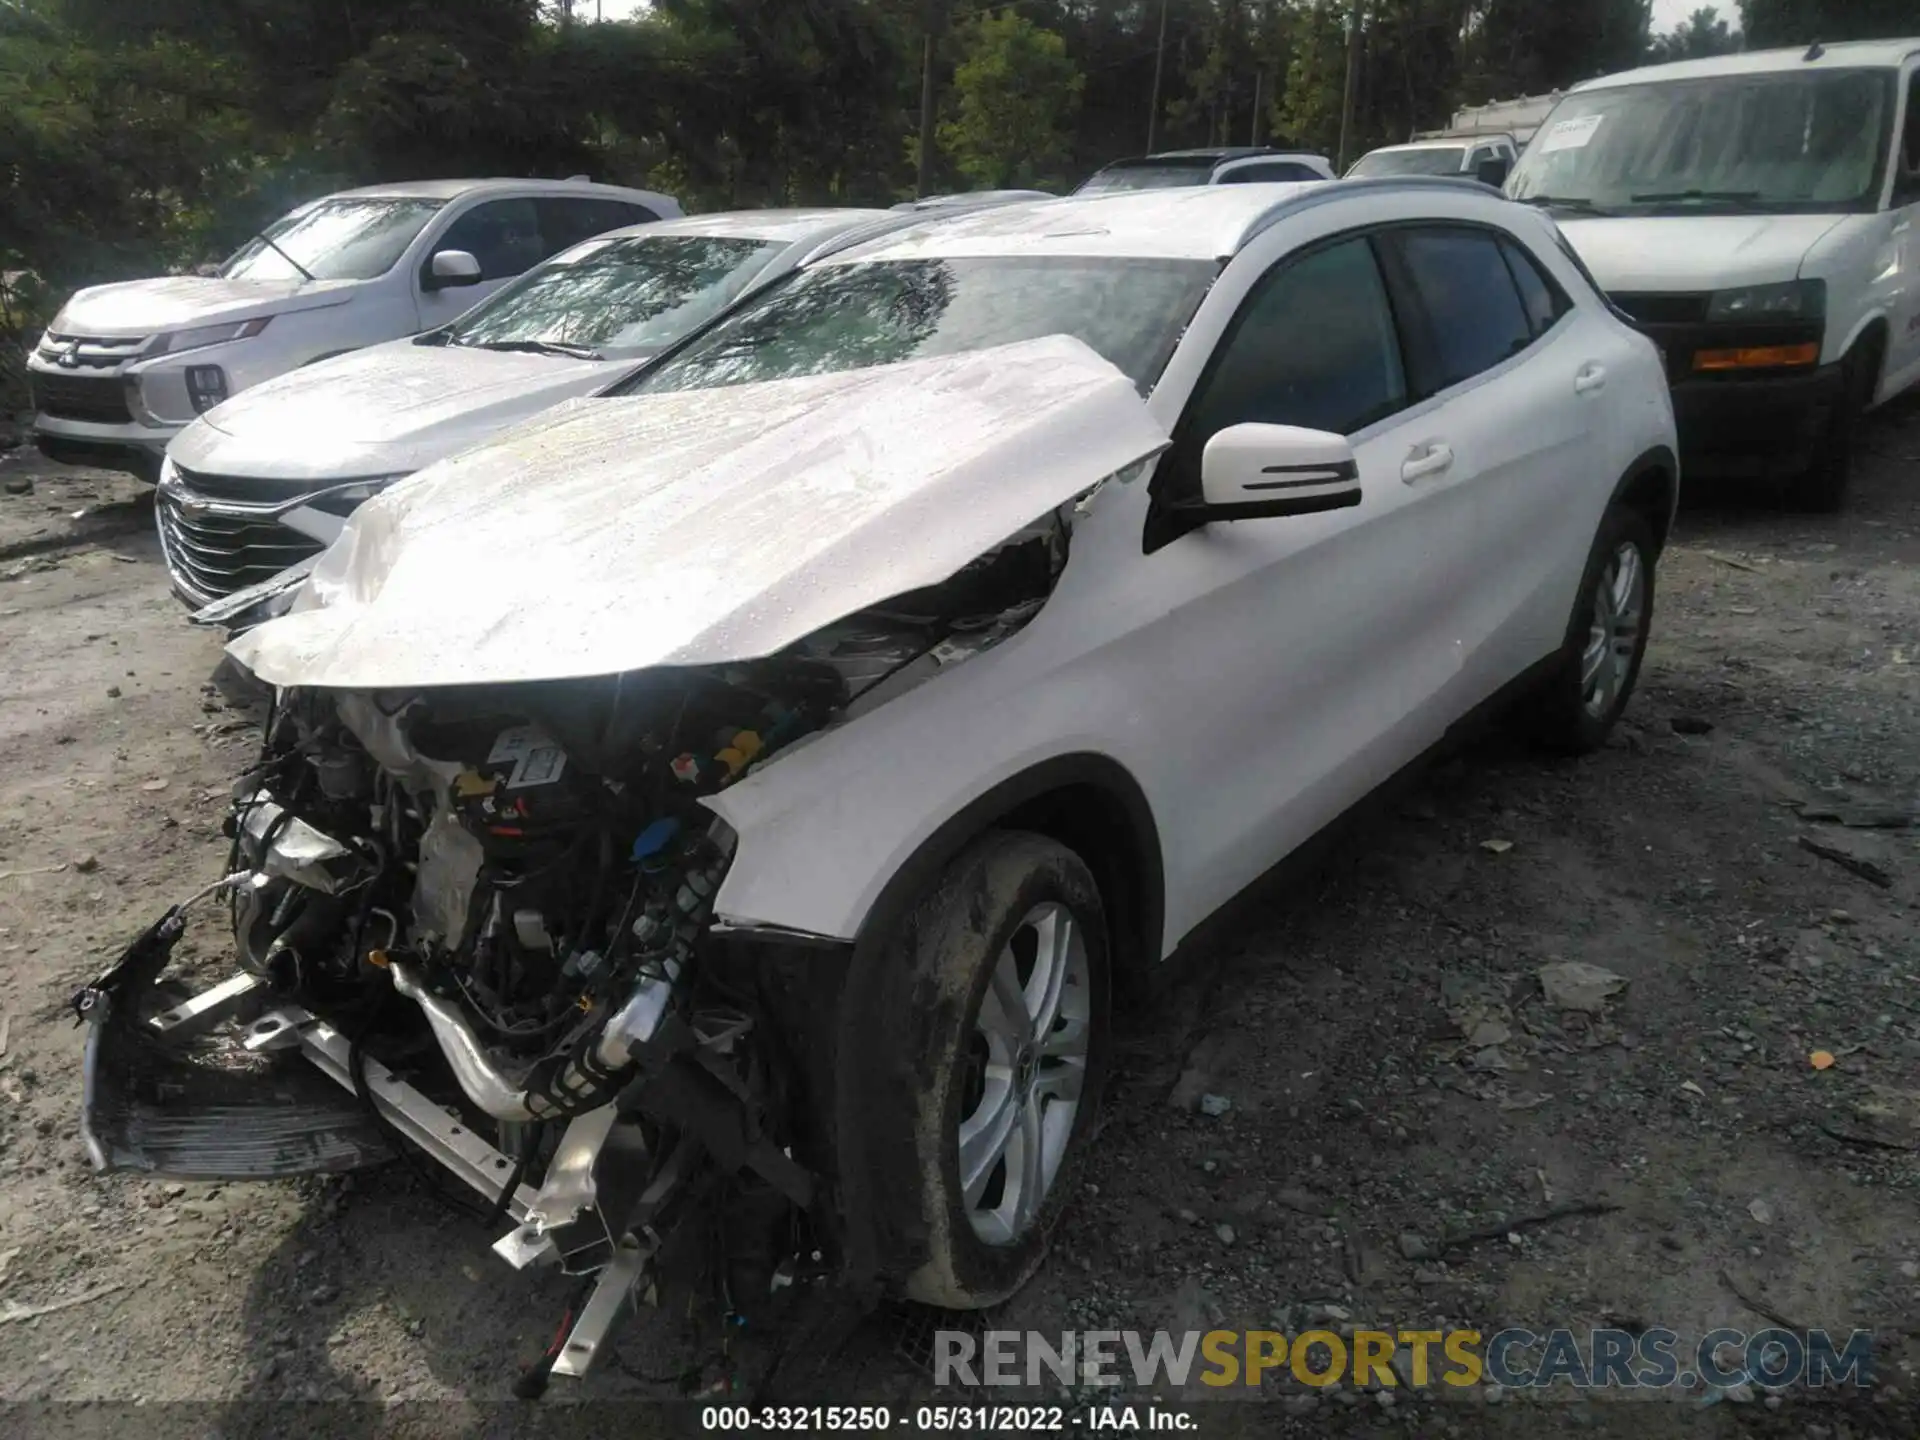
(1793, 300)
(203, 335)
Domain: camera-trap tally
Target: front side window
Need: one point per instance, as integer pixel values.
(1472, 311)
(1428, 160)
(1780, 142)
(849, 317)
(624, 297)
(1314, 345)
(350, 238)
(503, 235)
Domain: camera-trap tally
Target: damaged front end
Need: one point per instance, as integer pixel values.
(478, 923)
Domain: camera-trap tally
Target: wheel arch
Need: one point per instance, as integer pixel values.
(1088, 802)
(1651, 486)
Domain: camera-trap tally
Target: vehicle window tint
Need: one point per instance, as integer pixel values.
(1314, 346)
(566, 220)
(1539, 296)
(1474, 318)
(1907, 186)
(1278, 170)
(503, 235)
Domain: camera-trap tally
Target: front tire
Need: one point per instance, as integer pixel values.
(1821, 489)
(998, 1003)
(1606, 638)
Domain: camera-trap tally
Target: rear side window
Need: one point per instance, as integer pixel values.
(1314, 345)
(1471, 309)
(1274, 171)
(1542, 299)
(566, 220)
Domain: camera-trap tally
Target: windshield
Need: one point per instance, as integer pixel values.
(849, 317)
(1742, 143)
(1438, 160)
(1161, 175)
(624, 297)
(345, 239)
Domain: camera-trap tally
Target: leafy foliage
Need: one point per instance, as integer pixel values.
(1013, 93)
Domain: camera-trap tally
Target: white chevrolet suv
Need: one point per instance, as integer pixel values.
(723, 809)
(125, 367)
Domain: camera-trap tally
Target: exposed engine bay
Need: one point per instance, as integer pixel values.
(478, 923)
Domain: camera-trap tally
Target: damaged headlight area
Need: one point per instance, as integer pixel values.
(478, 923)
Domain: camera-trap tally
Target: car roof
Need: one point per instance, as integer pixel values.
(785, 227)
(1202, 222)
(1845, 55)
(1438, 142)
(455, 189)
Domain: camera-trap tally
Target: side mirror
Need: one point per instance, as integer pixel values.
(451, 268)
(1253, 472)
(1493, 171)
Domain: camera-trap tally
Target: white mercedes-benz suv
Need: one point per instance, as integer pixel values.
(719, 814)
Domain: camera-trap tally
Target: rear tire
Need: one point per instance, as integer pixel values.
(1821, 489)
(989, 1074)
(1606, 638)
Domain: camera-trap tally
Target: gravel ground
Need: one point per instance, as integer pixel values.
(1393, 1075)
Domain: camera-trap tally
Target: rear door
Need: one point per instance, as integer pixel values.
(1520, 382)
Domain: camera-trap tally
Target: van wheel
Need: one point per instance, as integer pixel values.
(1821, 489)
(999, 1041)
(1606, 638)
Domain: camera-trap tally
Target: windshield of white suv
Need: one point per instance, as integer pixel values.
(1437, 160)
(849, 317)
(625, 298)
(1773, 142)
(353, 238)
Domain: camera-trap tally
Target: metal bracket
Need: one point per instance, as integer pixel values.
(613, 1296)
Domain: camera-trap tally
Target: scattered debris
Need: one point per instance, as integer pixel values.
(1496, 847)
(1846, 860)
(1413, 1247)
(87, 864)
(1821, 1059)
(1528, 1101)
(1225, 1233)
(1691, 725)
(1759, 1306)
(1576, 985)
(1456, 1239)
(1692, 1089)
(1730, 562)
(153, 785)
(13, 1310)
(1860, 817)
(1761, 1212)
(1489, 1032)
(1215, 1106)
(6, 1031)
(1860, 1137)
(17, 484)
(33, 870)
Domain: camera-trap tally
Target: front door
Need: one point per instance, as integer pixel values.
(1299, 662)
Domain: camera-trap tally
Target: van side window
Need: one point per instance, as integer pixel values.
(1906, 184)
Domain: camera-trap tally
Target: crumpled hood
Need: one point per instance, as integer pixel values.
(1639, 253)
(179, 302)
(386, 410)
(613, 534)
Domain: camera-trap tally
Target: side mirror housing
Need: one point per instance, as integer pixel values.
(1254, 472)
(1493, 171)
(451, 268)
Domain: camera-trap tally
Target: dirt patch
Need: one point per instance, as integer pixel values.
(1394, 1079)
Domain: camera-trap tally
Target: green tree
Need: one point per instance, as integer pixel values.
(1801, 22)
(1703, 33)
(1014, 95)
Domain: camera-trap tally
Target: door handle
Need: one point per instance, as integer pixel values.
(1436, 459)
(1591, 380)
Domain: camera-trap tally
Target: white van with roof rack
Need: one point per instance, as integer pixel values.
(1758, 215)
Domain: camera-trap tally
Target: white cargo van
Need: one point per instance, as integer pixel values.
(1758, 215)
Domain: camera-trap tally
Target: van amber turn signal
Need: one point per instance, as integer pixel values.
(1761, 357)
